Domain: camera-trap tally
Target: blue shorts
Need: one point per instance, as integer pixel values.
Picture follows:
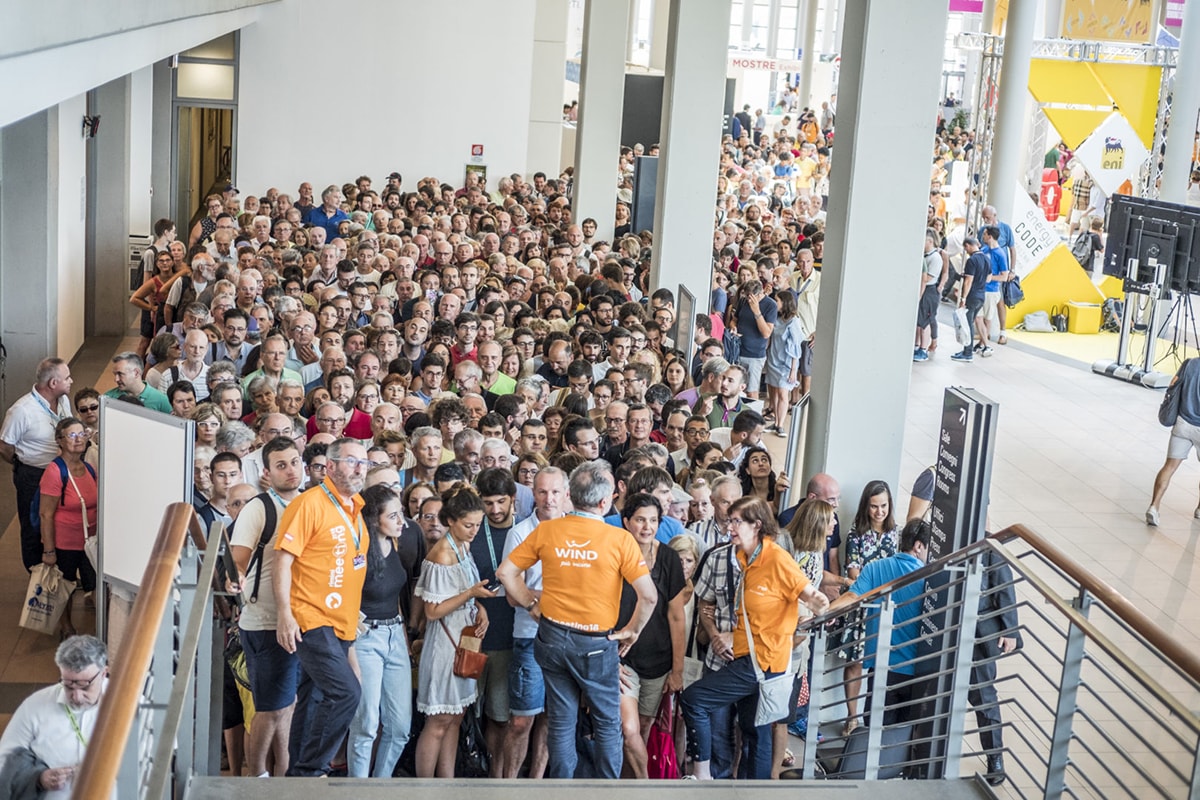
(526, 689)
(274, 672)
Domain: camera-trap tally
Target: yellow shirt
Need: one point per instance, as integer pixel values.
(771, 587)
(331, 559)
(584, 562)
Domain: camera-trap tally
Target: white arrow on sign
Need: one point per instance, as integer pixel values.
(962, 416)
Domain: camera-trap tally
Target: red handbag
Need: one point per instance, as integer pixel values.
(468, 660)
(660, 746)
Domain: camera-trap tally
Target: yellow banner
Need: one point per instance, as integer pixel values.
(1108, 20)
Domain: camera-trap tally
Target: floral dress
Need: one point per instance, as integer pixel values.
(439, 690)
(862, 549)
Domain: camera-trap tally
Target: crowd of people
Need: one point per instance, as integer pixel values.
(441, 416)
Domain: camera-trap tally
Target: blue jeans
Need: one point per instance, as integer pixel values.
(386, 695)
(720, 721)
(576, 665)
(735, 684)
(325, 702)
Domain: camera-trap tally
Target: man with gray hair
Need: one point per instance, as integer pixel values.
(28, 442)
(585, 562)
(426, 446)
(127, 371)
(44, 743)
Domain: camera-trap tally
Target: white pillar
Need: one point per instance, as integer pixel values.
(1009, 143)
(141, 136)
(545, 91)
(854, 434)
(601, 100)
(660, 31)
(809, 56)
(1185, 107)
(693, 102)
(107, 274)
(829, 23)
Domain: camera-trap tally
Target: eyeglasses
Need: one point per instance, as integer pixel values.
(353, 463)
(83, 434)
(316, 467)
(429, 517)
(84, 685)
(88, 409)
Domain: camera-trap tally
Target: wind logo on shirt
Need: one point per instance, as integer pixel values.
(575, 552)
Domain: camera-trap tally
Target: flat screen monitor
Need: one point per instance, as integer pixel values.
(1154, 232)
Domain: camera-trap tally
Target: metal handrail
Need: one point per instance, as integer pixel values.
(1066, 735)
(1124, 610)
(118, 708)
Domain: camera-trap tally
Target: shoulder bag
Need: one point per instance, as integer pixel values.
(1168, 412)
(1011, 291)
(774, 694)
(469, 661)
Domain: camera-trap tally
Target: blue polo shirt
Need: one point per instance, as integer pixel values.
(905, 627)
(317, 216)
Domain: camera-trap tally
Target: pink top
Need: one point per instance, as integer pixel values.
(68, 518)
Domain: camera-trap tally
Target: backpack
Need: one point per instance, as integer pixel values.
(1111, 314)
(270, 519)
(35, 507)
(1082, 249)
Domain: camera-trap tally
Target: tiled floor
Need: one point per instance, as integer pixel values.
(1075, 457)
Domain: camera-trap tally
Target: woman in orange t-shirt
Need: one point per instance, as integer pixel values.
(770, 586)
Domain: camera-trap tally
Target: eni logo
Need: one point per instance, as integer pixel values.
(333, 600)
(1114, 154)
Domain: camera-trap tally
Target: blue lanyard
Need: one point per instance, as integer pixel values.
(45, 406)
(284, 503)
(356, 530)
(487, 535)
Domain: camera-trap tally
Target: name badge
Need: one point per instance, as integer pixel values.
(360, 562)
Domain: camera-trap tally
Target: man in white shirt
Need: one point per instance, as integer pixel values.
(526, 688)
(27, 442)
(56, 723)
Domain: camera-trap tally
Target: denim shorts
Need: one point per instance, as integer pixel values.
(274, 672)
(526, 688)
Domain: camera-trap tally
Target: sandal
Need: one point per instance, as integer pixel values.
(789, 760)
(849, 727)
(1002, 340)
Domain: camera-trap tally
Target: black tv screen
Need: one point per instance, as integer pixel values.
(1153, 231)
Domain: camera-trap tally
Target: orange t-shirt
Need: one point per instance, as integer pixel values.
(773, 584)
(584, 562)
(330, 565)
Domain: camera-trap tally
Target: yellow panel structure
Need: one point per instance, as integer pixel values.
(1112, 287)
(1076, 124)
(1134, 90)
(1057, 281)
(1067, 82)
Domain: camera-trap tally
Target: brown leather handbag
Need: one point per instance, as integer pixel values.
(469, 660)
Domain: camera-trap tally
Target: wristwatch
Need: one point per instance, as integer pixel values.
(532, 603)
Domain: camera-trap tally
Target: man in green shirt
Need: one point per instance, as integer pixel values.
(127, 371)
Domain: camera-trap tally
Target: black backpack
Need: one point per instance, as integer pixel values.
(1082, 249)
(270, 519)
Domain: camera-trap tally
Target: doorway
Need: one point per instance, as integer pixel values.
(204, 159)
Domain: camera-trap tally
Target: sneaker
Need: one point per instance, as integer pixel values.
(920, 354)
(1152, 516)
(986, 352)
(782, 433)
(977, 348)
(962, 357)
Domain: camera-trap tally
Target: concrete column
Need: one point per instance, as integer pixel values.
(1010, 144)
(809, 56)
(1052, 19)
(659, 33)
(141, 137)
(107, 274)
(546, 89)
(1185, 107)
(601, 100)
(693, 100)
(162, 182)
(854, 433)
(29, 254)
